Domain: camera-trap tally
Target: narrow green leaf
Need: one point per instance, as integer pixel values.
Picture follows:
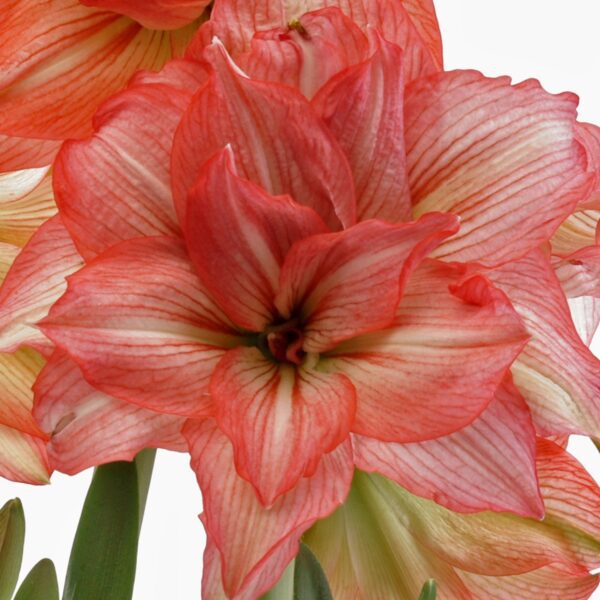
(104, 554)
(12, 536)
(40, 584)
(310, 582)
(429, 591)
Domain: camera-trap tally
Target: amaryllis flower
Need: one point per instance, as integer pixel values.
(26, 201)
(59, 59)
(384, 542)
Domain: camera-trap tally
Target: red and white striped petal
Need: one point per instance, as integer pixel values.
(59, 60)
(585, 312)
(89, 428)
(8, 253)
(577, 231)
(17, 373)
(589, 136)
(141, 327)
(18, 153)
(281, 419)
(35, 281)
(294, 54)
(23, 457)
(556, 373)
(410, 24)
(116, 185)
(238, 237)
(345, 284)
(553, 582)
(488, 465)
(256, 544)
(26, 201)
(278, 141)
(505, 158)
(438, 367)
(363, 107)
(155, 14)
(579, 273)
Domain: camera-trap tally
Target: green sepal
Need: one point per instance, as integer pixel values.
(304, 579)
(104, 553)
(40, 584)
(12, 537)
(429, 591)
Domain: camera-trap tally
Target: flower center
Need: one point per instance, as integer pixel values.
(284, 342)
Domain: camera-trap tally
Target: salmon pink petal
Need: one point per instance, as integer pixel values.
(438, 367)
(155, 14)
(553, 581)
(411, 24)
(17, 373)
(25, 153)
(142, 328)
(294, 54)
(89, 428)
(256, 543)
(34, 282)
(363, 107)
(238, 236)
(116, 185)
(488, 465)
(589, 136)
(278, 141)
(504, 158)
(556, 373)
(344, 284)
(23, 457)
(280, 419)
(579, 273)
(59, 60)
(26, 201)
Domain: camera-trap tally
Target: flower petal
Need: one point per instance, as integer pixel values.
(503, 157)
(59, 60)
(438, 367)
(277, 139)
(579, 273)
(576, 232)
(23, 457)
(255, 542)
(155, 14)
(585, 312)
(116, 185)
(363, 107)
(488, 465)
(238, 236)
(18, 153)
(89, 428)
(280, 419)
(348, 283)
(17, 373)
(589, 136)
(141, 327)
(411, 24)
(556, 373)
(34, 282)
(26, 201)
(294, 54)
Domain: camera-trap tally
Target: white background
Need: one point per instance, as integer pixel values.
(551, 40)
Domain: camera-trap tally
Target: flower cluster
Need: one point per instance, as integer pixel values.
(358, 289)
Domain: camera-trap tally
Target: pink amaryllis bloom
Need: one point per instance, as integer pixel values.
(59, 59)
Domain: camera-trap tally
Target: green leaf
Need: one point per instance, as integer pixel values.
(40, 584)
(429, 591)
(303, 579)
(104, 554)
(310, 582)
(12, 536)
